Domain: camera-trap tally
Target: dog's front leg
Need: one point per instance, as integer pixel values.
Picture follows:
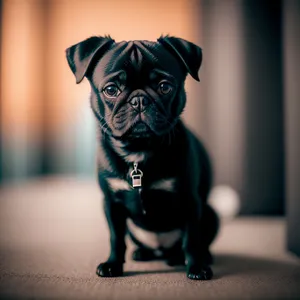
(116, 219)
(195, 245)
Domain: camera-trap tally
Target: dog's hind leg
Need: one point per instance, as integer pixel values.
(210, 222)
(175, 255)
(142, 252)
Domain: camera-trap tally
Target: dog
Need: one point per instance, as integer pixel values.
(154, 173)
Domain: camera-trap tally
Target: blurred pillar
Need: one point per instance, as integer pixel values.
(0, 93)
(242, 55)
(264, 145)
(21, 87)
(194, 114)
(291, 30)
(223, 82)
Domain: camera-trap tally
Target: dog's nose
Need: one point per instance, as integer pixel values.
(139, 103)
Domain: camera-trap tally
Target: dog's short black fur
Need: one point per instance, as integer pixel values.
(138, 96)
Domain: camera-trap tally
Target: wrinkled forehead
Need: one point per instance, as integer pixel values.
(138, 57)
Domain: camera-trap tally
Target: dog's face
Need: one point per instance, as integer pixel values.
(137, 86)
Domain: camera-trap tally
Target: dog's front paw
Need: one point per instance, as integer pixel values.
(110, 269)
(197, 272)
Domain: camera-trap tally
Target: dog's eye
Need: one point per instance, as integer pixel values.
(111, 91)
(165, 88)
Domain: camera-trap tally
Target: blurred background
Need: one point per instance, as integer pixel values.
(245, 109)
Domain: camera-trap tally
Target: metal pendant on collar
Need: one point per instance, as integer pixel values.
(136, 176)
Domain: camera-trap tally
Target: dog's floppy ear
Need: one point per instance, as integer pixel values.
(188, 53)
(81, 55)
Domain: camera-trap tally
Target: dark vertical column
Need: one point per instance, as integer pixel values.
(292, 120)
(264, 150)
(0, 93)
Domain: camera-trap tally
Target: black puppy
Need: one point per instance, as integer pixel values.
(153, 171)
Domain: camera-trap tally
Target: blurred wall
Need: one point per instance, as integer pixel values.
(46, 123)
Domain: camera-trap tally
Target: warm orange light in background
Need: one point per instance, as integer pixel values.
(36, 34)
(22, 75)
(73, 21)
(21, 61)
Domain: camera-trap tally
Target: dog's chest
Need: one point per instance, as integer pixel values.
(149, 201)
(136, 190)
(136, 182)
(146, 179)
(154, 210)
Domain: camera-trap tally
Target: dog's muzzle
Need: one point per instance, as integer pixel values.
(139, 103)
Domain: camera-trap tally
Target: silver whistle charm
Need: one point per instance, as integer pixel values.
(136, 176)
(137, 180)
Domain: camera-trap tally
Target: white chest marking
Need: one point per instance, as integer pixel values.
(152, 239)
(117, 184)
(136, 157)
(164, 184)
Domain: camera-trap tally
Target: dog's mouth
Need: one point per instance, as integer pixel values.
(139, 130)
(130, 125)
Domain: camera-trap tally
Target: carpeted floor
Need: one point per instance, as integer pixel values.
(53, 235)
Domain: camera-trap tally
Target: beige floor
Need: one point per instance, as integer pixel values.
(53, 234)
